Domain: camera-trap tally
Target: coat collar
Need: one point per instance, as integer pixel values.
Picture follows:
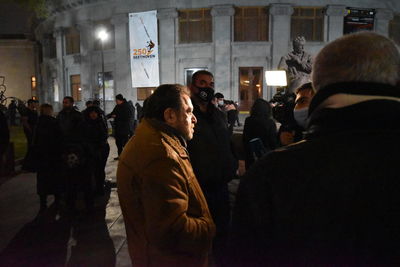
(373, 115)
(171, 135)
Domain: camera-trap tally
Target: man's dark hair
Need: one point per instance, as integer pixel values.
(70, 98)
(306, 86)
(219, 95)
(201, 72)
(96, 102)
(165, 96)
(89, 102)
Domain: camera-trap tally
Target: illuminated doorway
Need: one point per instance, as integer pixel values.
(250, 86)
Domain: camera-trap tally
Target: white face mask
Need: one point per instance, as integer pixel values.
(301, 115)
(220, 102)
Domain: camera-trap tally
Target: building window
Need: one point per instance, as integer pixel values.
(189, 73)
(144, 92)
(358, 19)
(250, 86)
(251, 24)
(195, 26)
(33, 85)
(394, 29)
(109, 84)
(110, 42)
(308, 22)
(76, 90)
(72, 41)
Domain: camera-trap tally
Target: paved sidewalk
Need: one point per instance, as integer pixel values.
(28, 238)
(50, 239)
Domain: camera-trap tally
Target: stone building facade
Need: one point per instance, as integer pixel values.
(240, 40)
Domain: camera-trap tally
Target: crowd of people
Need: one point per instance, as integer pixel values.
(321, 189)
(69, 151)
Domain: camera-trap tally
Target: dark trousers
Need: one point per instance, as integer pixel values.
(218, 203)
(99, 169)
(79, 180)
(120, 141)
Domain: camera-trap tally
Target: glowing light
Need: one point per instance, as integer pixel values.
(276, 78)
(103, 35)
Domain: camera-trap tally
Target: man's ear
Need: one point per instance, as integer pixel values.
(170, 116)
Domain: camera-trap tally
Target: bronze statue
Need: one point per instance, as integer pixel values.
(297, 65)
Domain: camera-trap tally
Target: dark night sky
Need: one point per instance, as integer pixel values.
(14, 19)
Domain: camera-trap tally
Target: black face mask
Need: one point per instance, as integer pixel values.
(205, 94)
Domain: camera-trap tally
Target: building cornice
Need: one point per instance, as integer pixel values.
(222, 10)
(281, 10)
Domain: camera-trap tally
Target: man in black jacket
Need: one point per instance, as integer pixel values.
(122, 115)
(211, 156)
(333, 199)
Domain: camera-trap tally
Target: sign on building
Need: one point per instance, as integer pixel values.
(143, 39)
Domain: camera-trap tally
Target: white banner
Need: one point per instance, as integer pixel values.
(143, 39)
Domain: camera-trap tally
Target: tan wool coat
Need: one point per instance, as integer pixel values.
(166, 215)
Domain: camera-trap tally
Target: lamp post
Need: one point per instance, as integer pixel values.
(102, 35)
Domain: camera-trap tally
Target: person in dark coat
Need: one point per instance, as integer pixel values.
(12, 112)
(29, 119)
(259, 125)
(74, 155)
(332, 199)
(4, 137)
(212, 158)
(122, 115)
(95, 136)
(293, 130)
(47, 152)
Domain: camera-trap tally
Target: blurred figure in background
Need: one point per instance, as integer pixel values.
(95, 136)
(46, 144)
(293, 131)
(259, 133)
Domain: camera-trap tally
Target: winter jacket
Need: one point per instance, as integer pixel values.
(166, 216)
(332, 199)
(210, 149)
(123, 116)
(263, 128)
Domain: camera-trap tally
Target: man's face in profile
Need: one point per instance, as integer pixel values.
(185, 119)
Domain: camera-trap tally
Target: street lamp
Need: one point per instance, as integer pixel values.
(103, 36)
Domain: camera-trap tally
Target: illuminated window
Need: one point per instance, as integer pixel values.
(72, 41)
(109, 28)
(33, 83)
(195, 26)
(109, 85)
(394, 29)
(250, 86)
(76, 89)
(308, 22)
(145, 92)
(251, 24)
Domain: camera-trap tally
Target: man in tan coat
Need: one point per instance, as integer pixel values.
(166, 215)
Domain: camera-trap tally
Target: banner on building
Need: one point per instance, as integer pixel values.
(143, 39)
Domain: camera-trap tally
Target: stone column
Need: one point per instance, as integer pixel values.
(167, 29)
(280, 31)
(382, 19)
(122, 75)
(335, 16)
(222, 37)
(60, 48)
(86, 46)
